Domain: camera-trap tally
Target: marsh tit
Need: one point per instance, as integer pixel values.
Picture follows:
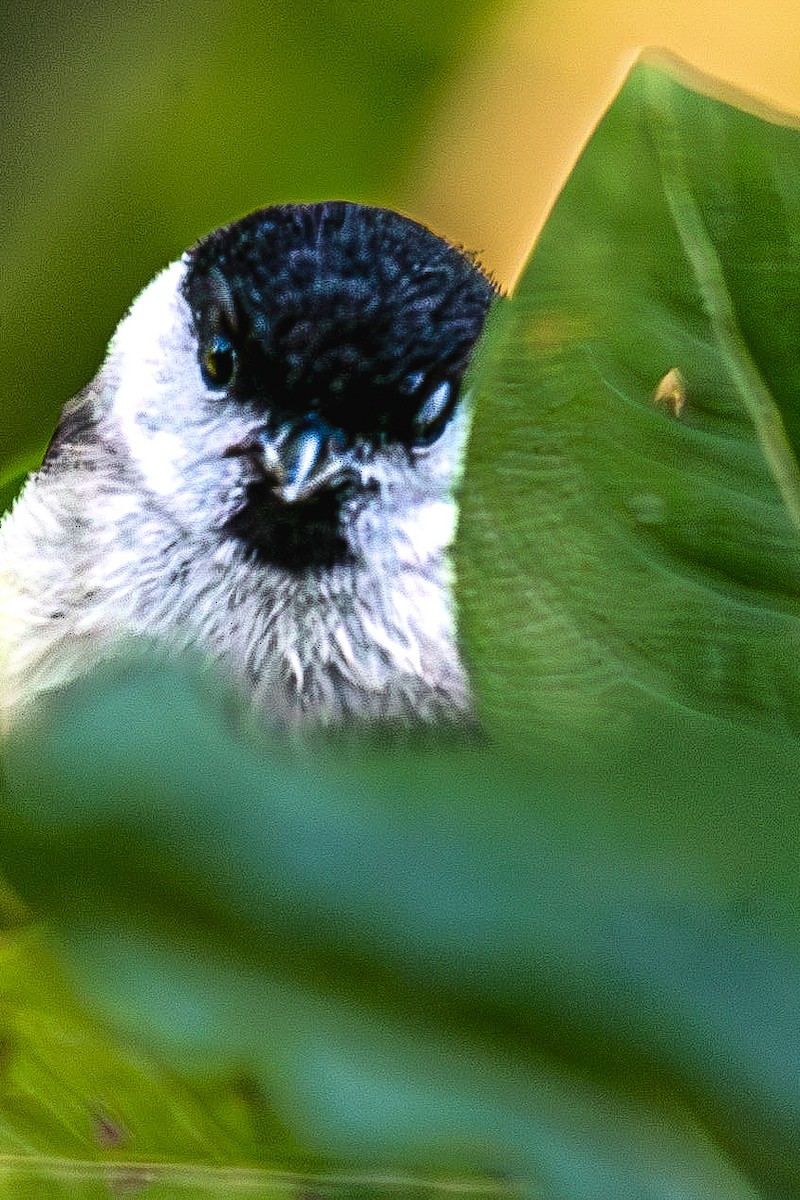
(263, 471)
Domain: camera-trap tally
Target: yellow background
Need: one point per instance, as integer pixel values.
(512, 125)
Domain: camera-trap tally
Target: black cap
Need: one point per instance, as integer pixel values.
(341, 309)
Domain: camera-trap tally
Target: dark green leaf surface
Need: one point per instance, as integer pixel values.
(566, 958)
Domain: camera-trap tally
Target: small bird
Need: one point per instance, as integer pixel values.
(263, 471)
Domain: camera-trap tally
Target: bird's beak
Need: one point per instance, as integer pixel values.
(303, 457)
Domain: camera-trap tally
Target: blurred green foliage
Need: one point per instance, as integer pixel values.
(70, 1090)
(420, 961)
(566, 956)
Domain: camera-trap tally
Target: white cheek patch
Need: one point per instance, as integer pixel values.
(155, 331)
(430, 531)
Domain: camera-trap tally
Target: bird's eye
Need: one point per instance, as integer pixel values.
(219, 362)
(434, 413)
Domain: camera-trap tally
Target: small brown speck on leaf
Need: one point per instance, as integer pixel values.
(108, 1133)
(671, 393)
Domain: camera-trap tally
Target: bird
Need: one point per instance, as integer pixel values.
(264, 471)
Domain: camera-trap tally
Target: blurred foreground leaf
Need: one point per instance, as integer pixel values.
(566, 957)
(417, 970)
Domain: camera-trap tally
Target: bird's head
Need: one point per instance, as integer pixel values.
(291, 385)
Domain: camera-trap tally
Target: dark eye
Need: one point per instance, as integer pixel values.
(434, 413)
(218, 363)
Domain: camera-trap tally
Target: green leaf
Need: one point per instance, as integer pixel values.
(621, 554)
